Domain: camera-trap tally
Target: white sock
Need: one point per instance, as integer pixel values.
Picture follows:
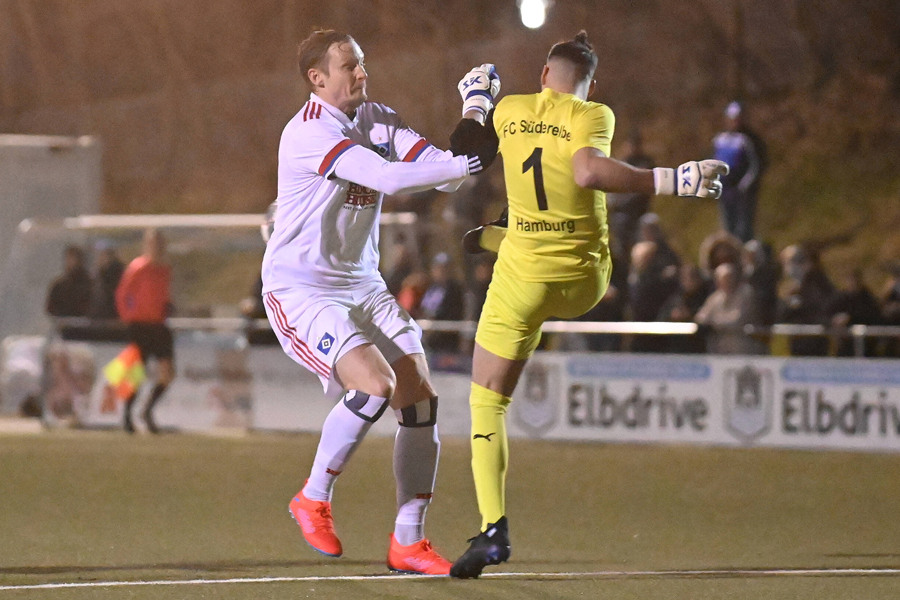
(416, 451)
(342, 432)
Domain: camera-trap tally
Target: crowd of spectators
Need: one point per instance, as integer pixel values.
(730, 286)
(79, 293)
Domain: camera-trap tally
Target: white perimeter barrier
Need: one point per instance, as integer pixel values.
(700, 399)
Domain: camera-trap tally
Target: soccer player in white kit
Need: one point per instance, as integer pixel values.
(326, 300)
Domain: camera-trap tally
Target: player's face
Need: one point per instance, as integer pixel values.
(344, 85)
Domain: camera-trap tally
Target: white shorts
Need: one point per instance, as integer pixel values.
(316, 327)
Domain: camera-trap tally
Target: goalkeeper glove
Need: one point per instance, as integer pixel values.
(488, 236)
(693, 178)
(479, 88)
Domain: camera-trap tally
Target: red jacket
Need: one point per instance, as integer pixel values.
(143, 292)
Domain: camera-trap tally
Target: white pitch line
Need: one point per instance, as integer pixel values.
(508, 575)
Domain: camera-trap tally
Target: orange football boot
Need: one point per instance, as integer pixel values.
(419, 558)
(314, 519)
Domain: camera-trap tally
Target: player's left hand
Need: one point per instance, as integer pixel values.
(700, 179)
(478, 88)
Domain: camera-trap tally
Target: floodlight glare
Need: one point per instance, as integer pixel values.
(533, 12)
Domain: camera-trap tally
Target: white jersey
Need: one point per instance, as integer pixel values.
(326, 227)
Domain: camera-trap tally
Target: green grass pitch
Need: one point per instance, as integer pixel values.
(620, 521)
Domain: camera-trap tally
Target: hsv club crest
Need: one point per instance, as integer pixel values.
(748, 402)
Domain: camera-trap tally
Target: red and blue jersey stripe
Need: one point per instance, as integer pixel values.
(416, 151)
(333, 155)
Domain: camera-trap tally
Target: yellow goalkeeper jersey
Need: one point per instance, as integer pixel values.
(557, 230)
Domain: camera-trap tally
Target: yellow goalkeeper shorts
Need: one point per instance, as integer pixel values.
(511, 319)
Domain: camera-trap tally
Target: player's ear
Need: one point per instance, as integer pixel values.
(544, 75)
(315, 77)
(592, 87)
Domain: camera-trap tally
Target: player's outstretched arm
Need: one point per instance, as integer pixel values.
(593, 169)
(478, 89)
(364, 167)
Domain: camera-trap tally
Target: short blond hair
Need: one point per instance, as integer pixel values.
(313, 50)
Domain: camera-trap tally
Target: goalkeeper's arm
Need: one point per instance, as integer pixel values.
(471, 137)
(474, 134)
(593, 169)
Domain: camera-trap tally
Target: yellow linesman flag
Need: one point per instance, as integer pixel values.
(125, 373)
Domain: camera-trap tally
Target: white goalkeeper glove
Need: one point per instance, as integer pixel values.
(479, 88)
(693, 178)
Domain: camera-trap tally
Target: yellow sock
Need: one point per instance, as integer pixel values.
(490, 452)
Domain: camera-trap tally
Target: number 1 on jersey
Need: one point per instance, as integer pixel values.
(534, 162)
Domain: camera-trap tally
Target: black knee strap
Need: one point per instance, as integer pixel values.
(414, 416)
(366, 407)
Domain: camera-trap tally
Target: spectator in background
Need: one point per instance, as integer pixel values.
(400, 265)
(611, 308)
(890, 309)
(661, 281)
(425, 205)
(665, 259)
(105, 281)
(70, 293)
(726, 311)
(745, 154)
(716, 249)
(762, 273)
(412, 290)
(143, 301)
(806, 299)
(815, 275)
(470, 202)
(625, 209)
(648, 290)
(682, 306)
(855, 305)
(443, 301)
(252, 308)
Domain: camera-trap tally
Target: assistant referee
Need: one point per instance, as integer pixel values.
(144, 303)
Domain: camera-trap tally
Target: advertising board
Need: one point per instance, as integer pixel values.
(736, 401)
(851, 404)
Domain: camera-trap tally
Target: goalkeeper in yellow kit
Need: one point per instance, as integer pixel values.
(554, 259)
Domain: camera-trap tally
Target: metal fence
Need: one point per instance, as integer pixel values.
(858, 333)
